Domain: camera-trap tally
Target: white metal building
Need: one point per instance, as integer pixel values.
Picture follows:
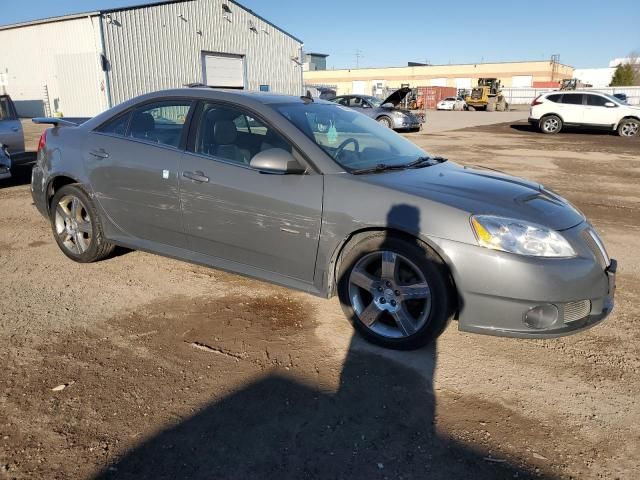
(79, 65)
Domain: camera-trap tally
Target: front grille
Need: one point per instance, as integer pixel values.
(596, 246)
(576, 310)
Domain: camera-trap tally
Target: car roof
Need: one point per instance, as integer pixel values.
(250, 99)
(575, 91)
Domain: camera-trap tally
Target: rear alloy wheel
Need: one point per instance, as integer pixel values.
(386, 121)
(629, 127)
(76, 226)
(550, 124)
(395, 292)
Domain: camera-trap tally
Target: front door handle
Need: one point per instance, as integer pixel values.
(99, 153)
(199, 177)
(16, 129)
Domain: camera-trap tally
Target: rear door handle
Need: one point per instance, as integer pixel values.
(99, 153)
(199, 177)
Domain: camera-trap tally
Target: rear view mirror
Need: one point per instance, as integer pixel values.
(610, 104)
(276, 160)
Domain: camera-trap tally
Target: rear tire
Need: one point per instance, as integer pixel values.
(629, 127)
(550, 124)
(386, 121)
(76, 226)
(471, 108)
(404, 306)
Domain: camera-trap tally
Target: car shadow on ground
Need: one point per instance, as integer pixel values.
(379, 423)
(20, 175)
(526, 127)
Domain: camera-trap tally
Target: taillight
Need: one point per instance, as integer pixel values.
(536, 101)
(43, 141)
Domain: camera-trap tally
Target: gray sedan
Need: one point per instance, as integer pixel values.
(386, 111)
(314, 196)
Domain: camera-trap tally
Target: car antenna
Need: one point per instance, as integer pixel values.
(307, 97)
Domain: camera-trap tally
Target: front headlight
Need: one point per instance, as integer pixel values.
(398, 114)
(517, 236)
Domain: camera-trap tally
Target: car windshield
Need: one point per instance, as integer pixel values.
(353, 140)
(375, 102)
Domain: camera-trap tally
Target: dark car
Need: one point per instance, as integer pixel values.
(621, 96)
(315, 196)
(384, 111)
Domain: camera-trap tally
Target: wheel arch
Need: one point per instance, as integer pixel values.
(627, 117)
(55, 183)
(357, 235)
(551, 113)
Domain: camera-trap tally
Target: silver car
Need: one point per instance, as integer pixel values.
(314, 196)
(386, 111)
(11, 134)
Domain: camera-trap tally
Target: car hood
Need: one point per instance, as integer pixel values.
(484, 191)
(396, 97)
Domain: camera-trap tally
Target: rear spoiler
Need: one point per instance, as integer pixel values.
(59, 122)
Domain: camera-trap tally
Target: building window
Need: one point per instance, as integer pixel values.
(264, 88)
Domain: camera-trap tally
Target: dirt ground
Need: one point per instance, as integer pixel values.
(145, 367)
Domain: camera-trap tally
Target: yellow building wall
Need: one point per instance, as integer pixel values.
(424, 76)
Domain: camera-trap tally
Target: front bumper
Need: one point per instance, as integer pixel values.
(407, 123)
(496, 290)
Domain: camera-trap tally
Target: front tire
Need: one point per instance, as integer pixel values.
(629, 127)
(551, 124)
(396, 292)
(386, 121)
(76, 226)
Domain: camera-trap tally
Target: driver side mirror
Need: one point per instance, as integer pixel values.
(610, 105)
(276, 160)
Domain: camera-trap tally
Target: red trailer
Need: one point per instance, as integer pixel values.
(428, 97)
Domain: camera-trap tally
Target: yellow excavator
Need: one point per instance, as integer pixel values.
(487, 96)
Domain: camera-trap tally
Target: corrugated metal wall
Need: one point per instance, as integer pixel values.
(61, 55)
(161, 46)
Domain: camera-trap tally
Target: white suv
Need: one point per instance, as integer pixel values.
(578, 108)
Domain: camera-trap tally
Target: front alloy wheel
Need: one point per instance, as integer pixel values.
(395, 290)
(629, 127)
(389, 294)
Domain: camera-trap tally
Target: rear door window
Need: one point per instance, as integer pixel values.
(572, 98)
(159, 122)
(556, 98)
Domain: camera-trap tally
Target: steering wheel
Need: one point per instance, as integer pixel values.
(340, 148)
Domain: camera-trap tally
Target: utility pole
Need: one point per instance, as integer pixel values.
(358, 55)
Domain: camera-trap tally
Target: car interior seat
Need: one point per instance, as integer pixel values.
(143, 126)
(225, 135)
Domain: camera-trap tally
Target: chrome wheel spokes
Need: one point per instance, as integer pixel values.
(73, 224)
(389, 294)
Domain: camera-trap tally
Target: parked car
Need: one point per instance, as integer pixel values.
(452, 103)
(553, 111)
(11, 134)
(314, 196)
(384, 111)
(621, 96)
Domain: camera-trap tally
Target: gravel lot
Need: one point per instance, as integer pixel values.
(145, 367)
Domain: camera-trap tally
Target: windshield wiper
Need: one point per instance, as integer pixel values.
(418, 163)
(381, 167)
(425, 162)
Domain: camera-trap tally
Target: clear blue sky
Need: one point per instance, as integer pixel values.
(586, 33)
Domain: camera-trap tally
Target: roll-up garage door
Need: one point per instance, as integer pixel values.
(223, 70)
